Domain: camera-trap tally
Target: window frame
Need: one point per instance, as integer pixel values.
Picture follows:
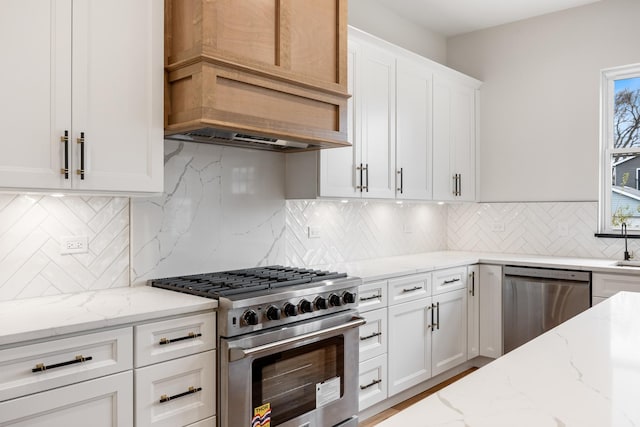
(607, 96)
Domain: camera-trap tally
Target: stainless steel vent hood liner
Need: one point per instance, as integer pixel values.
(218, 136)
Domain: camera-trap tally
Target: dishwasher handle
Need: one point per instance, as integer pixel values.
(548, 273)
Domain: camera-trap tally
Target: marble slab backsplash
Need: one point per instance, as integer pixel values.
(31, 228)
(553, 228)
(223, 208)
(357, 230)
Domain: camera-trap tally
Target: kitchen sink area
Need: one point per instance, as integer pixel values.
(629, 263)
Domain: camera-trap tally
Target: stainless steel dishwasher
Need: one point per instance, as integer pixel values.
(535, 300)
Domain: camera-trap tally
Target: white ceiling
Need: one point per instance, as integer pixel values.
(451, 17)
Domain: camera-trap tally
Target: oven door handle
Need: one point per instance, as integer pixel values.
(240, 353)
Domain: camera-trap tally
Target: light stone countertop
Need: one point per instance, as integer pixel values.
(583, 373)
(384, 268)
(48, 317)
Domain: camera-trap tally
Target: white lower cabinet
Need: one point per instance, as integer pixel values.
(175, 371)
(372, 296)
(373, 334)
(449, 334)
(427, 336)
(607, 285)
(169, 339)
(88, 378)
(473, 312)
(102, 402)
(490, 288)
(177, 392)
(373, 343)
(32, 368)
(409, 288)
(372, 381)
(410, 324)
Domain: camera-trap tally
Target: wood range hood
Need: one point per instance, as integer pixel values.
(266, 74)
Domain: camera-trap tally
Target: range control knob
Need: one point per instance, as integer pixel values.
(305, 306)
(250, 317)
(273, 313)
(320, 303)
(349, 297)
(290, 310)
(334, 300)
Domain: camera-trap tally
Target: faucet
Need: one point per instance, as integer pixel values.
(623, 227)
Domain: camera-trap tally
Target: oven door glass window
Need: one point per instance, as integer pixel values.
(292, 381)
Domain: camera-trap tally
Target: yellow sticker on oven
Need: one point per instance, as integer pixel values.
(262, 416)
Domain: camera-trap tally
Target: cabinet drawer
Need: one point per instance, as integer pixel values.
(177, 392)
(169, 339)
(409, 288)
(372, 381)
(450, 279)
(103, 402)
(209, 422)
(606, 285)
(60, 362)
(373, 334)
(372, 296)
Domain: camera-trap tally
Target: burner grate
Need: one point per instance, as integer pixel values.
(235, 282)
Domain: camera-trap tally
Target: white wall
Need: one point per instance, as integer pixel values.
(376, 19)
(539, 130)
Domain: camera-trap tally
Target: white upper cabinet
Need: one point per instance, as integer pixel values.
(338, 177)
(378, 109)
(118, 93)
(454, 140)
(73, 73)
(35, 40)
(367, 168)
(412, 123)
(414, 139)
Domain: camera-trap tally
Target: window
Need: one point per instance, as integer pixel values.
(620, 149)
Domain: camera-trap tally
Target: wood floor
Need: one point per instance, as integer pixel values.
(378, 418)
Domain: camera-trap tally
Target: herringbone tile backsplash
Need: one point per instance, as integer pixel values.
(361, 230)
(554, 228)
(30, 231)
(31, 228)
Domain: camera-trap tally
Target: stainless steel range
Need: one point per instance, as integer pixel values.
(288, 344)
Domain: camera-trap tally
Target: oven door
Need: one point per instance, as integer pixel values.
(301, 375)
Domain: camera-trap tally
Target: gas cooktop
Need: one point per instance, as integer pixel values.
(236, 282)
(265, 297)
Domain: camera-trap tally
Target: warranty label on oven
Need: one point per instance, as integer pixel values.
(327, 391)
(261, 416)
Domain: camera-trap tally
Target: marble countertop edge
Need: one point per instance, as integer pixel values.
(48, 317)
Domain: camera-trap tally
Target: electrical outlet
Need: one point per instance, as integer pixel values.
(313, 232)
(74, 245)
